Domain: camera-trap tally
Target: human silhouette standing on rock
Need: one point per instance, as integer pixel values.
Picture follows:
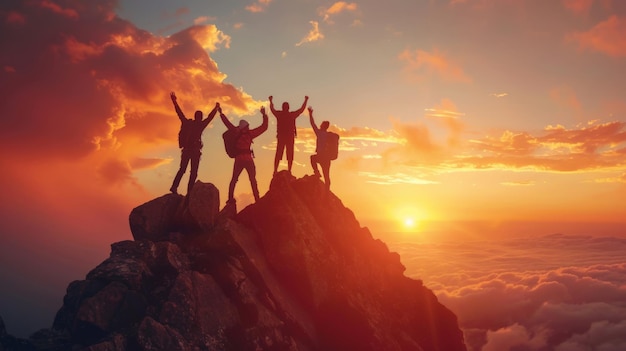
(244, 159)
(190, 141)
(325, 149)
(285, 131)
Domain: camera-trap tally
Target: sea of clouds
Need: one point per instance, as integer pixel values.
(552, 292)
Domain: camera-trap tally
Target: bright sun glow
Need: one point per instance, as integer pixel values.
(409, 222)
(408, 218)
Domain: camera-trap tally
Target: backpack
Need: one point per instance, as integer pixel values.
(331, 147)
(230, 137)
(184, 135)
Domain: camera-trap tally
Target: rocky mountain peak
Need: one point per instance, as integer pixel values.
(294, 271)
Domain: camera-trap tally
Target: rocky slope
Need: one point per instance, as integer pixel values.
(295, 271)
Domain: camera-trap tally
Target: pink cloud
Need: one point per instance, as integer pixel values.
(607, 37)
(258, 6)
(420, 64)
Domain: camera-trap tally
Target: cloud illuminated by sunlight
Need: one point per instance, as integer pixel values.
(606, 37)
(106, 101)
(258, 6)
(313, 35)
(499, 95)
(393, 179)
(202, 20)
(209, 37)
(519, 183)
(337, 8)
(420, 64)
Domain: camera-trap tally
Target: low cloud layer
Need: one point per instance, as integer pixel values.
(557, 292)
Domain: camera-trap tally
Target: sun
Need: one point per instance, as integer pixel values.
(409, 222)
(409, 218)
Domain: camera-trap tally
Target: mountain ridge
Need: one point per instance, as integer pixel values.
(294, 271)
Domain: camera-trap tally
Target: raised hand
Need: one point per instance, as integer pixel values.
(173, 96)
(263, 110)
(271, 97)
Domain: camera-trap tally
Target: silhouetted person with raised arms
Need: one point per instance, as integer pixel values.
(285, 131)
(244, 158)
(325, 148)
(190, 141)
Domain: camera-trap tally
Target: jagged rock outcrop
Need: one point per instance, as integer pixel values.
(295, 271)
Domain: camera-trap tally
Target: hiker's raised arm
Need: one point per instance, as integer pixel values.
(301, 109)
(226, 121)
(179, 112)
(211, 115)
(265, 121)
(263, 127)
(272, 105)
(313, 125)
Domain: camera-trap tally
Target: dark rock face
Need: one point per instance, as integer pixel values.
(294, 271)
(157, 219)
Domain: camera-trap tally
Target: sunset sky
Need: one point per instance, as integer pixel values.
(505, 112)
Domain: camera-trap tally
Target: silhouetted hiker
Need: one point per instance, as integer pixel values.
(190, 141)
(285, 131)
(326, 148)
(244, 158)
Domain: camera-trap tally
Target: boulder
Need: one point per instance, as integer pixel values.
(155, 219)
(203, 205)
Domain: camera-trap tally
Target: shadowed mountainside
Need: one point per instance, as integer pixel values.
(294, 271)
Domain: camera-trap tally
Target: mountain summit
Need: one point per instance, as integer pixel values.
(294, 271)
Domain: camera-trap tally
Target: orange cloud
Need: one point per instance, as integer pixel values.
(337, 8)
(447, 114)
(209, 37)
(499, 95)
(592, 147)
(395, 178)
(606, 37)
(258, 6)
(313, 35)
(355, 138)
(420, 64)
(201, 20)
(417, 140)
(93, 90)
